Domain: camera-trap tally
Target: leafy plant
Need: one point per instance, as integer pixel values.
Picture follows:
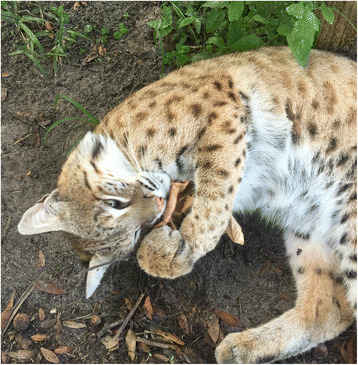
(88, 117)
(43, 32)
(192, 30)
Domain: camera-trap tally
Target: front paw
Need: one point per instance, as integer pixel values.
(164, 253)
(244, 348)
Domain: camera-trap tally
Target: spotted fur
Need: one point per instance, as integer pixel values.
(253, 131)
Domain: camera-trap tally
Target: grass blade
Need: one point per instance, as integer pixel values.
(58, 122)
(92, 119)
(31, 35)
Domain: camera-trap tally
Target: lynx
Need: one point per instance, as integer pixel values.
(252, 131)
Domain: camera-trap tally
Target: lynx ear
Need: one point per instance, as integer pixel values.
(95, 276)
(42, 217)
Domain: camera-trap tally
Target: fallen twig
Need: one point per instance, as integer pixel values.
(24, 296)
(157, 344)
(124, 323)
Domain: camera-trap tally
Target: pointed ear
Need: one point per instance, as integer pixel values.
(95, 276)
(40, 218)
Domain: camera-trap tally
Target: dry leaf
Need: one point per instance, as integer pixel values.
(21, 321)
(73, 324)
(39, 337)
(161, 357)
(58, 328)
(49, 355)
(349, 351)
(10, 303)
(214, 328)
(131, 343)
(48, 288)
(234, 231)
(169, 336)
(228, 318)
(128, 303)
(48, 323)
(3, 93)
(4, 318)
(110, 343)
(21, 355)
(41, 314)
(95, 320)
(101, 50)
(148, 308)
(183, 324)
(143, 347)
(23, 342)
(4, 357)
(41, 262)
(76, 5)
(48, 26)
(63, 350)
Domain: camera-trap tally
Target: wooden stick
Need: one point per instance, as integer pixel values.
(156, 344)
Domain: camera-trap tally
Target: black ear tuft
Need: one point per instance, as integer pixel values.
(97, 148)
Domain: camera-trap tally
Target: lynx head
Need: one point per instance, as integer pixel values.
(99, 196)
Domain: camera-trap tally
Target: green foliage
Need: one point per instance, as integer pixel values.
(88, 117)
(43, 32)
(188, 31)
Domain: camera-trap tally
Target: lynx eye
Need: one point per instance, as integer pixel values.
(117, 204)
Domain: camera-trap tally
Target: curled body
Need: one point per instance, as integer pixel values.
(252, 131)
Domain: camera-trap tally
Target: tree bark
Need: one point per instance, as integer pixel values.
(340, 36)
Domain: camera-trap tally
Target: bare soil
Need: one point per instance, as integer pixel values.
(252, 283)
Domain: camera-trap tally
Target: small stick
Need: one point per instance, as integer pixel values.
(156, 344)
(125, 322)
(24, 296)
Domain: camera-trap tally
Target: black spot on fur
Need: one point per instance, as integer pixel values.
(289, 112)
(86, 181)
(332, 145)
(265, 360)
(231, 96)
(343, 239)
(295, 137)
(299, 251)
(353, 258)
(301, 270)
(159, 162)
(179, 163)
(223, 173)
(230, 83)
(172, 132)
(316, 157)
(226, 207)
(318, 271)
(304, 236)
(342, 159)
(95, 167)
(237, 162)
(351, 274)
(244, 96)
(312, 129)
(336, 302)
(220, 103)
(231, 189)
(238, 139)
(343, 188)
(353, 196)
(201, 133)
(213, 147)
(344, 218)
(195, 109)
(217, 85)
(97, 148)
(211, 117)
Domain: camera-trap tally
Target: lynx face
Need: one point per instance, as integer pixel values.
(94, 199)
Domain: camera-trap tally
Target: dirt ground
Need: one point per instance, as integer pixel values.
(252, 283)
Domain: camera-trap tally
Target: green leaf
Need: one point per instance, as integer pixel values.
(31, 35)
(327, 13)
(123, 30)
(285, 28)
(197, 25)
(155, 24)
(31, 19)
(300, 40)
(88, 28)
(75, 34)
(297, 10)
(215, 20)
(104, 31)
(186, 21)
(246, 43)
(167, 17)
(216, 4)
(217, 41)
(235, 32)
(235, 10)
(92, 119)
(259, 19)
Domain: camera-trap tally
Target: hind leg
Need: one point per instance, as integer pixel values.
(321, 311)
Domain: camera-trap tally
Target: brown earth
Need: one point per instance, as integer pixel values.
(252, 283)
